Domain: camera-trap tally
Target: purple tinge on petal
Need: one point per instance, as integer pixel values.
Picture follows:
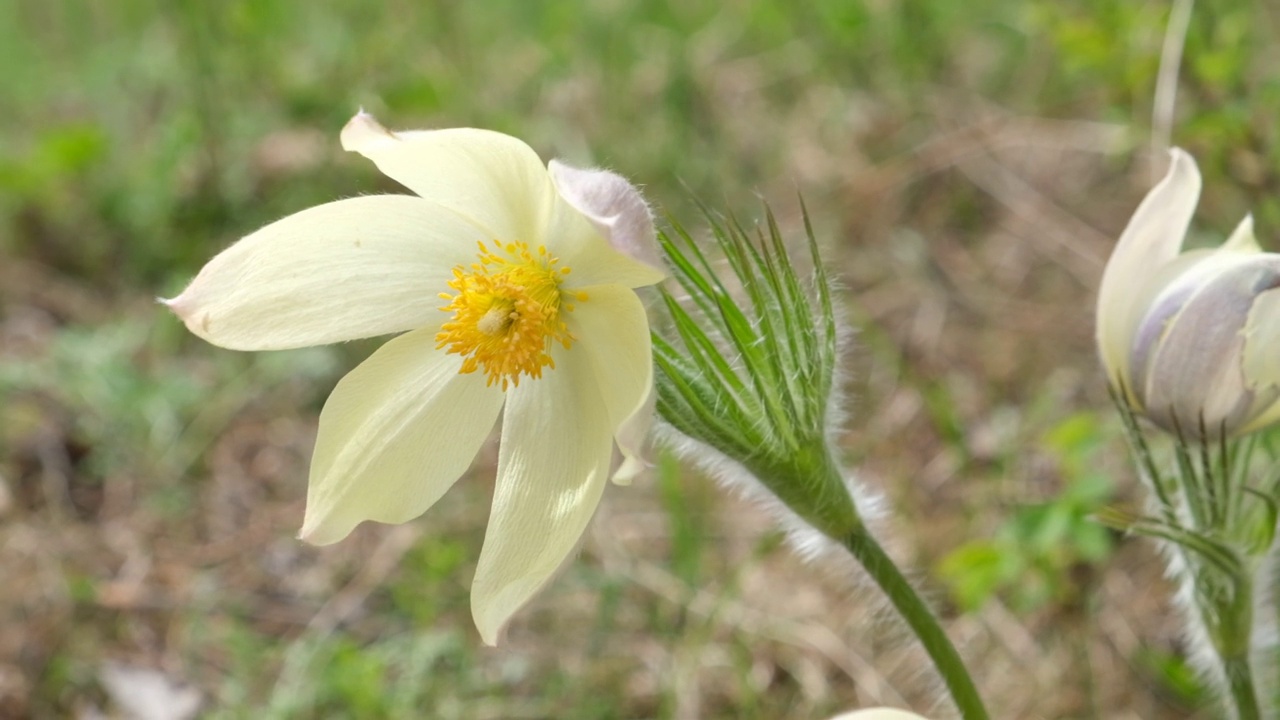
(613, 205)
(1150, 333)
(1193, 381)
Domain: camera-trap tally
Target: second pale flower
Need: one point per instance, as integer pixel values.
(1191, 339)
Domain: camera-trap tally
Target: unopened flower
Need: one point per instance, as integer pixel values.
(749, 389)
(747, 382)
(1191, 339)
(502, 276)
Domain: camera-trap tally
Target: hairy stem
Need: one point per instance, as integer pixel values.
(1240, 686)
(921, 621)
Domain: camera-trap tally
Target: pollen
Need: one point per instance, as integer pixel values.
(508, 312)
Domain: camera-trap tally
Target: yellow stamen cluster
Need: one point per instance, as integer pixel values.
(507, 312)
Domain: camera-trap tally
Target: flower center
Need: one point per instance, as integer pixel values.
(507, 312)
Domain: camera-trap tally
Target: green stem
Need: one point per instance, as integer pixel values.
(1240, 685)
(921, 620)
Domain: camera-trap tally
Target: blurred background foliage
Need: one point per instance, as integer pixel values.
(968, 165)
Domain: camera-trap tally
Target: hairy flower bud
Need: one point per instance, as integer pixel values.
(1188, 338)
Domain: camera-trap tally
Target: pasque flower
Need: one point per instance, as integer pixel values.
(505, 278)
(1191, 339)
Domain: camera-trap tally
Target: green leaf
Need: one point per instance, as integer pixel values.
(1260, 531)
(975, 571)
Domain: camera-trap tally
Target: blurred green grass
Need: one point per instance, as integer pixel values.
(153, 482)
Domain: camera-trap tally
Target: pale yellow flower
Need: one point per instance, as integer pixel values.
(503, 277)
(1191, 339)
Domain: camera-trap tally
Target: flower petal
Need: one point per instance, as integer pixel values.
(613, 206)
(1152, 238)
(582, 249)
(394, 436)
(1196, 374)
(340, 271)
(1260, 361)
(552, 467)
(496, 180)
(1242, 238)
(614, 333)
